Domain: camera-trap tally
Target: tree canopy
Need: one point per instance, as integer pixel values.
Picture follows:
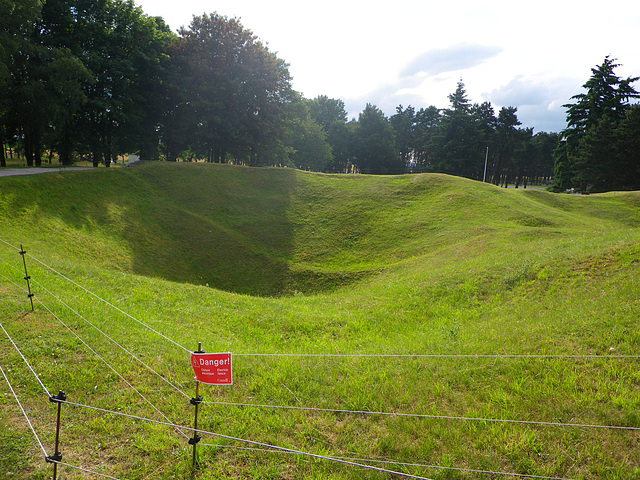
(95, 79)
(233, 92)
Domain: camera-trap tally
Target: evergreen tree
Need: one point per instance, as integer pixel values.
(627, 148)
(458, 144)
(426, 125)
(506, 142)
(375, 148)
(544, 145)
(562, 168)
(404, 126)
(590, 134)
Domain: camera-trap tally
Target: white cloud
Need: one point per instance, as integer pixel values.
(534, 57)
(539, 100)
(521, 91)
(450, 59)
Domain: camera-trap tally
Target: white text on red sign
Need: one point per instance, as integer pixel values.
(212, 368)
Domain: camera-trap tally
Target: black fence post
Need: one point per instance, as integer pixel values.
(197, 400)
(26, 275)
(57, 456)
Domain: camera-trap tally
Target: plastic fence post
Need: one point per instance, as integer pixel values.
(57, 456)
(197, 400)
(26, 275)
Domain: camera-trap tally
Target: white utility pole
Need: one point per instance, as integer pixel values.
(485, 165)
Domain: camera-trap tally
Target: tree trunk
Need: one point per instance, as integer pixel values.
(65, 149)
(107, 148)
(96, 154)
(28, 149)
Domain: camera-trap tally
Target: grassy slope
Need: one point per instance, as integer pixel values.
(349, 264)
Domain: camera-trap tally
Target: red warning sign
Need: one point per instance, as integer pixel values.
(212, 368)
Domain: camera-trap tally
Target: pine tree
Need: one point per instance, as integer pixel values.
(589, 136)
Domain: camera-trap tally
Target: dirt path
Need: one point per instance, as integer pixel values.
(10, 172)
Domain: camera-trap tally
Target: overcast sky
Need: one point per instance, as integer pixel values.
(530, 55)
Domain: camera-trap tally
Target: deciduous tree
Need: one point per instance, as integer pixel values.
(125, 52)
(330, 113)
(306, 138)
(18, 20)
(235, 90)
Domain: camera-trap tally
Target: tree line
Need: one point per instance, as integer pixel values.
(94, 79)
(465, 139)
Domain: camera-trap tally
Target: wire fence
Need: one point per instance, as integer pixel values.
(250, 445)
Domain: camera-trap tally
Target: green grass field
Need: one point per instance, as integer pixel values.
(474, 281)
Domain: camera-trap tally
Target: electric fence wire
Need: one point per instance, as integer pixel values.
(540, 356)
(353, 412)
(361, 412)
(12, 282)
(340, 355)
(294, 408)
(97, 355)
(25, 361)
(18, 250)
(111, 339)
(425, 416)
(456, 469)
(348, 461)
(435, 355)
(108, 303)
(111, 368)
(103, 333)
(443, 417)
(175, 426)
(250, 442)
(400, 464)
(84, 470)
(23, 411)
(38, 378)
(8, 244)
(99, 298)
(21, 272)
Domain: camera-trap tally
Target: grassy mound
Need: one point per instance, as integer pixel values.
(262, 261)
(275, 232)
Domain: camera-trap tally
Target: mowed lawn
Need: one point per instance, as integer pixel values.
(422, 324)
